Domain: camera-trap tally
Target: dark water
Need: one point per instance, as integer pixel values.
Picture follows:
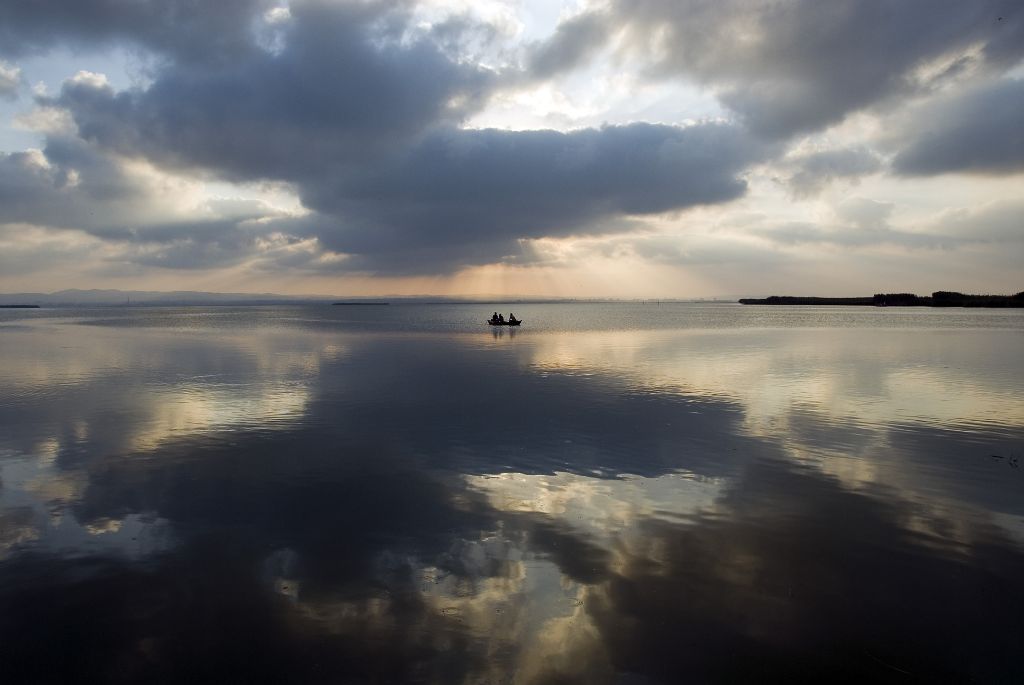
(613, 493)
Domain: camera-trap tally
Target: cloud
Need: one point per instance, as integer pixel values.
(996, 222)
(10, 80)
(71, 190)
(465, 197)
(360, 108)
(810, 172)
(864, 223)
(975, 131)
(179, 29)
(363, 122)
(74, 185)
(865, 214)
(692, 249)
(340, 90)
(62, 186)
(574, 40)
(805, 233)
(799, 66)
(857, 222)
(25, 250)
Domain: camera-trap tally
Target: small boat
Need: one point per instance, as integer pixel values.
(504, 323)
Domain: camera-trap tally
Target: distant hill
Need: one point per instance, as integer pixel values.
(103, 298)
(112, 298)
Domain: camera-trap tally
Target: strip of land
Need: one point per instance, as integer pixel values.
(941, 298)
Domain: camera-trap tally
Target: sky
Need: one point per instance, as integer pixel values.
(607, 148)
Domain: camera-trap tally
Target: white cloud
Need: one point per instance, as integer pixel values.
(277, 15)
(90, 79)
(10, 80)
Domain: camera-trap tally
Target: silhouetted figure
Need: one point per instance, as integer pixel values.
(501, 319)
(511, 317)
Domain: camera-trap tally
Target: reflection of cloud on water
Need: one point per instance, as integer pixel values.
(554, 636)
(382, 567)
(181, 411)
(777, 574)
(954, 401)
(946, 472)
(524, 617)
(43, 355)
(42, 497)
(99, 389)
(870, 376)
(857, 404)
(103, 526)
(372, 570)
(379, 531)
(17, 526)
(790, 574)
(74, 395)
(600, 508)
(56, 490)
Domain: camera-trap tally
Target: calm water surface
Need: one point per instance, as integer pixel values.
(617, 493)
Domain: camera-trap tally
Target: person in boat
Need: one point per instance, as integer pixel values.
(512, 318)
(501, 319)
(494, 318)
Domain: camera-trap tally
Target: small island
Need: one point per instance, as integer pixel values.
(941, 298)
(19, 306)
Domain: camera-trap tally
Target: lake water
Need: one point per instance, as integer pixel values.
(613, 493)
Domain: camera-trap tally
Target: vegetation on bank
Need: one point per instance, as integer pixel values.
(941, 298)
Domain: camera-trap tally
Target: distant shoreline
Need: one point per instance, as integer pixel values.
(19, 306)
(940, 298)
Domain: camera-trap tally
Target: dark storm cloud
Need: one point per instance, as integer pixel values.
(338, 92)
(190, 245)
(63, 185)
(977, 131)
(468, 194)
(358, 107)
(182, 29)
(363, 124)
(802, 65)
(453, 197)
